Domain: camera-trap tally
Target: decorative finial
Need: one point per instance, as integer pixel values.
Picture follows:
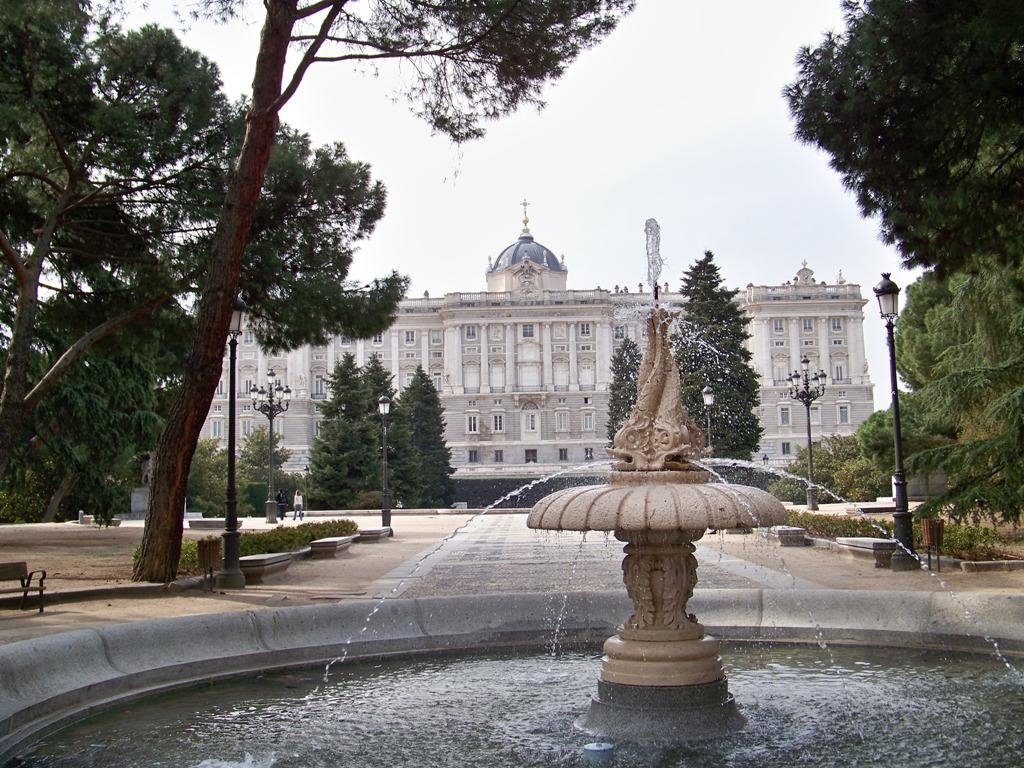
(526, 219)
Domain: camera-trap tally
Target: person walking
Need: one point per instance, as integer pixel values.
(281, 504)
(297, 506)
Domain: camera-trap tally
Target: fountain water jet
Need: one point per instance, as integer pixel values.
(661, 676)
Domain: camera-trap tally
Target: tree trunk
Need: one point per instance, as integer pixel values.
(13, 410)
(161, 541)
(58, 496)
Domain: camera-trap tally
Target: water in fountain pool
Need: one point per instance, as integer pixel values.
(858, 707)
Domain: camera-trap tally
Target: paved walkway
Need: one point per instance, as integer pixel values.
(443, 554)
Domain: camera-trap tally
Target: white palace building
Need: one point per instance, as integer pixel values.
(524, 367)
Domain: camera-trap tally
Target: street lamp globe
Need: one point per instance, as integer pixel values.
(237, 317)
(888, 295)
(384, 405)
(709, 396)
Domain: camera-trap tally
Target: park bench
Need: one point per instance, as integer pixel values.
(19, 572)
(328, 547)
(866, 546)
(255, 567)
(210, 523)
(375, 534)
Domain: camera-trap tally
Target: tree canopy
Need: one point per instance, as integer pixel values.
(710, 350)
(428, 459)
(470, 62)
(965, 357)
(920, 106)
(116, 151)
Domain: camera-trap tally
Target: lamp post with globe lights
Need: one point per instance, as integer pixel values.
(806, 388)
(230, 576)
(903, 559)
(271, 401)
(709, 400)
(384, 408)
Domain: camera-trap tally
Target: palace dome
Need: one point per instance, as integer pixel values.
(526, 249)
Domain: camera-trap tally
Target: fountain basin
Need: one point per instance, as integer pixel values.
(656, 500)
(826, 708)
(53, 680)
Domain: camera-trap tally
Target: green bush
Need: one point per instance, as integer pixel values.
(967, 542)
(288, 539)
(833, 526)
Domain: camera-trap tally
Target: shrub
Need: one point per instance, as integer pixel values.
(833, 526)
(289, 539)
(968, 542)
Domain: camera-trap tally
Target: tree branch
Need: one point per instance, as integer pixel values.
(75, 352)
(12, 259)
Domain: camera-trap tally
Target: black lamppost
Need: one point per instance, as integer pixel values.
(903, 559)
(231, 576)
(384, 408)
(709, 400)
(271, 402)
(807, 388)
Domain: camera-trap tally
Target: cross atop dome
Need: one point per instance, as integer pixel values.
(526, 219)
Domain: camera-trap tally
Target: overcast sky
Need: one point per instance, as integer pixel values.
(677, 116)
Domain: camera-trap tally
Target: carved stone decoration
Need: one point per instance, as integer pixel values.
(659, 433)
(660, 572)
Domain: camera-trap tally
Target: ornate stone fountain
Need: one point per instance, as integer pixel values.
(661, 676)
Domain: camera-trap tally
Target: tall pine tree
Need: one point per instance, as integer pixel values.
(421, 417)
(622, 391)
(344, 459)
(710, 350)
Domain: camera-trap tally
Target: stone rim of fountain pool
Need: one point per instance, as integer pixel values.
(48, 682)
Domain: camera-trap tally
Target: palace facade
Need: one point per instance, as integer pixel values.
(524, 367)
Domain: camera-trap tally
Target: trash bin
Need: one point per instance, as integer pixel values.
(209, 558)
(931, 537)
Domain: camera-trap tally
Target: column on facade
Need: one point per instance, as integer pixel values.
(602, 375)
(360, 351)
(485, 357)
(396, 356)
(453, 359)
(545, 341)
(764, 353)
(825, 346)
(796, 350)
(510, 356)
(574, 365)
(855, 350)
(425, 351)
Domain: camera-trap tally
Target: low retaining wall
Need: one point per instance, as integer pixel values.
(50, 681)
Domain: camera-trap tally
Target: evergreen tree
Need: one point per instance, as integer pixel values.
(344, 459)
(252, 464)
(421, 416)
(622, 391)
(710, 350)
